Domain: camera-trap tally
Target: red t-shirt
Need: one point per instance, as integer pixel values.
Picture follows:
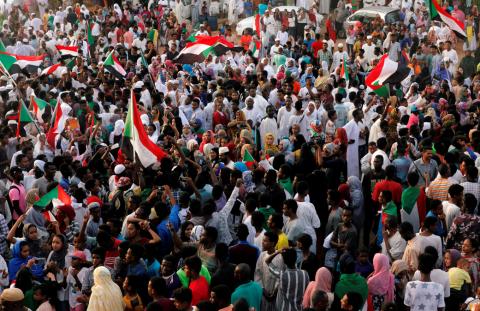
(394, 187)
(316, 46)
(200, 290)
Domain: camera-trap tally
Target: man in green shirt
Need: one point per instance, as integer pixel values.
(248, 290)
(279, 59)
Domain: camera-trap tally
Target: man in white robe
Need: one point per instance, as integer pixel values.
(232, 15)
(269, 125)
(353, 134)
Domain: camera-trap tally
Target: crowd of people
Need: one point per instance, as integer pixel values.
(287, 183)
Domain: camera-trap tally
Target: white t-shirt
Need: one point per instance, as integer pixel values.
(422, 296)
(437, 276)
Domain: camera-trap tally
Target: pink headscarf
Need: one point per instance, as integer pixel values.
(381, 281)
(323, 282)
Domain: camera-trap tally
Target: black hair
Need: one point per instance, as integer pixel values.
(426, 263)
(289, 256)
(291, 205)
(183, 294)
(272, 237)
(194, 264)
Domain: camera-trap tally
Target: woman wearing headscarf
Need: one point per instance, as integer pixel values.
(106, 295)
(41, 147)
(22, 258)
(400, 272)
(269, 147)
(116, 134)
(207, 138)
(323, 282)
(380, 283)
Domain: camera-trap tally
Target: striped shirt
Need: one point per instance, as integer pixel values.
(291, 287)
(438, 189)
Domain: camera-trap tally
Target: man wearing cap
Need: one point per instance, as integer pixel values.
(224, 153)
(338, 57)
(12, 300)
(369, 49)
(275, 48)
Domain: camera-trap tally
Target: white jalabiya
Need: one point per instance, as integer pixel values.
(106, 295)
(353, 163)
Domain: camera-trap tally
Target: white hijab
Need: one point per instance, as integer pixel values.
(106, 295)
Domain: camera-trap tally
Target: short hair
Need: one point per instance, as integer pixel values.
(432, 251)
(306, 240)
(272, 237)
(291, 205)
(194, 263)
(158, 284)
(244, 270)
(222, 290)
(289, 256)
(137, 250)
(472, 172)
(242, 232)
(413, 178)
(382, 143)
(277, 219)
(317, 296)
(211, 232)
(443, 169)
(426, 263)
(455, 190)
(355, 300)
(387, 195)
(183, 294)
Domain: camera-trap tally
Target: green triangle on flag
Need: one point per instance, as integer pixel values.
(7, 60)
(383, 91)
(191, 38)
(247, 157)
(57, 196)
(41, 104)
(70, 64)
(2, 47)
(24, 114)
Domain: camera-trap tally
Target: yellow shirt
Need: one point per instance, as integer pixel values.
(282, 241)
(458, 277)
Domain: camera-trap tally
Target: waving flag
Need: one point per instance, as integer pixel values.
(57, 70)
(23, 116)
(386, 72)
(18, 63)
(60, 116)
(439, 13)
(202, 46)
(67, 51)
(113, 66)
(39, 106)
(136, 137)
(248, 159)
(57, 196)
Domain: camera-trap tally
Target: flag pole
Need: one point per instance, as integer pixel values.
(8, 74)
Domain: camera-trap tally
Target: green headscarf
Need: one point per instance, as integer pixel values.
(409, 198)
